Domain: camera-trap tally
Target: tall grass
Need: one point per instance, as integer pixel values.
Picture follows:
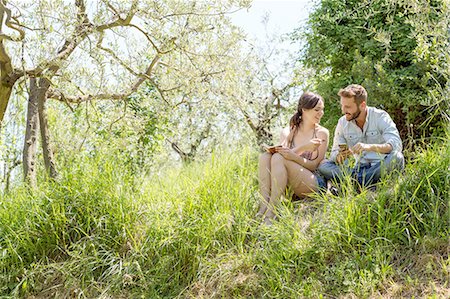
(191, 233)
(87, 213)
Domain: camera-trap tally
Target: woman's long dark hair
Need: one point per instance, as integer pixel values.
(308, 100)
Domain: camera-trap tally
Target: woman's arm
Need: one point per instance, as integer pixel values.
(284, 141)
(311, 146)
(311, 165)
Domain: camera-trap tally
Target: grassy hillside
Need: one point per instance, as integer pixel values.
(191, 233)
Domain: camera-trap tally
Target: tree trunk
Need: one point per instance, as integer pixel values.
(261, 129)
(263, 135)
(5, 94)
(8, 171)
(187, 158)
(29, 148)
(50, 165)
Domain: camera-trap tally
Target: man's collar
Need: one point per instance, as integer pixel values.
(367, 117)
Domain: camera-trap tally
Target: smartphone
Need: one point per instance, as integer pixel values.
(343, 147)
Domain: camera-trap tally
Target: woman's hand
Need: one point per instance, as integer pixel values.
(313, 144)
(287, 153)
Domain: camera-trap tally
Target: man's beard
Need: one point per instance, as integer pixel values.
(355, 115)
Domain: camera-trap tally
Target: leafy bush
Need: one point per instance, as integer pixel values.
(397, 50)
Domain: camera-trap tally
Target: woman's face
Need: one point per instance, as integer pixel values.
(315, 114)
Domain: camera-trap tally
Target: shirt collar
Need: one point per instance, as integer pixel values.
(369, 112)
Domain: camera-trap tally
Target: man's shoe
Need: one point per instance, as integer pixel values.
(333, 190)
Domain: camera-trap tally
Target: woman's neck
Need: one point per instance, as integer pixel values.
(305, 127)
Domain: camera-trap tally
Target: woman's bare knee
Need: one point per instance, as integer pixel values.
(265, 158)
(277, 159)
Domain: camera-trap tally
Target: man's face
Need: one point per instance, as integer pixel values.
(349, 108)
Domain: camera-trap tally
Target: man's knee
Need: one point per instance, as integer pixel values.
(395, 161)
(328, 169)
(323, 166)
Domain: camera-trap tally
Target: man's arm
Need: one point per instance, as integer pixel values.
(390, 132)
(337, 139)
(390, 135)
(384, 148)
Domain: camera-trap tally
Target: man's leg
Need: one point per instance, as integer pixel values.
(370, 175)
(366, 174)
(330, 170)
(393, 161)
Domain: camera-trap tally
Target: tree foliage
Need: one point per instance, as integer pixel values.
(397, 49)
(109, 50)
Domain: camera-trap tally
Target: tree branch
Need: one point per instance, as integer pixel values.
(114, 55)
(248, 119)
(82, 30)
(58, 95)
(10, 22)
(199, 14)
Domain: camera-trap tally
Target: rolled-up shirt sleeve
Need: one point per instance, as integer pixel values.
(390, 133)
(337, 139)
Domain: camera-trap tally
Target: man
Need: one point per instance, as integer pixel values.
(367, 133)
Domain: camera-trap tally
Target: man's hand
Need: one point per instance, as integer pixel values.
(342, 155)
(384, 148)
(361, 147)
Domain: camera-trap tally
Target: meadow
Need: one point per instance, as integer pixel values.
(190, 232)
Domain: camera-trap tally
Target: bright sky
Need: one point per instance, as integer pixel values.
(284, 16)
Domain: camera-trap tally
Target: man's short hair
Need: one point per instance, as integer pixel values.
(355, 91)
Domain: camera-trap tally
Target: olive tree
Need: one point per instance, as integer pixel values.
(81, 51)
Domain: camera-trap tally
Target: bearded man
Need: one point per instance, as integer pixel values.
(366, 133)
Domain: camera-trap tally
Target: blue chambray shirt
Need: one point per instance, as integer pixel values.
(378, 129)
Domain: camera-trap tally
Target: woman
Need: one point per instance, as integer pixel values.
(294, 162)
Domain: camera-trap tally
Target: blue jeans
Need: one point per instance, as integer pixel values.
(365, 173)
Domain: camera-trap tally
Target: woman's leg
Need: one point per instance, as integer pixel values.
(278, 185)
(264, 182)
(301, 180)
